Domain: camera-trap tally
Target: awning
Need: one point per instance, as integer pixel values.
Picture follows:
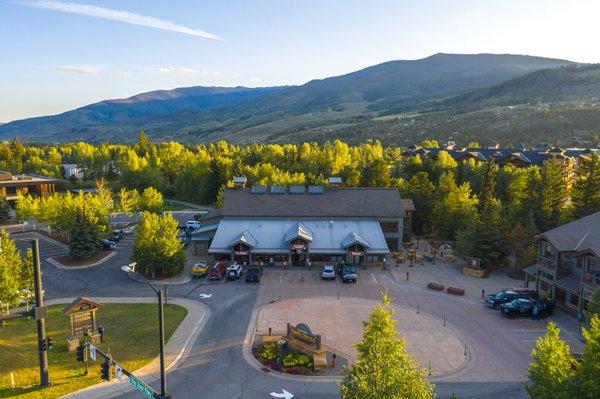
(570, 283)
(533, 269)
(205, 229)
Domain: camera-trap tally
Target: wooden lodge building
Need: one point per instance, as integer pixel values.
(11, 185)
(300, 225)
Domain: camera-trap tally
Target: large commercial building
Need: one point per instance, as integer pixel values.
(568, 265)
(300, 225)
(12, 185)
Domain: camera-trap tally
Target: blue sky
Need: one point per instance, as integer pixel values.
(58, 55)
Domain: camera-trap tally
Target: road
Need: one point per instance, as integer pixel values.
(216, 367)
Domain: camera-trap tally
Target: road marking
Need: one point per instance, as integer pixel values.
(281, 278)
(374, 279)
(285, 394)
(204, 296)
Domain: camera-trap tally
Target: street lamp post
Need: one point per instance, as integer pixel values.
(161, 328)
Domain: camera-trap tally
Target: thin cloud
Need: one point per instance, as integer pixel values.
(177, 70)
(116, 15)
(82, 70)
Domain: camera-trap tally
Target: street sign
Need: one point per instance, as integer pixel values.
(118, 372)
(284, 394)
(92, 352)
(141, 386)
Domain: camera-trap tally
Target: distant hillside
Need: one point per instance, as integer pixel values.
(266, 114)
(568, 84)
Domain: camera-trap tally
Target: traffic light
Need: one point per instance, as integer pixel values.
(81, 353)
(50, 343)
(105, 370)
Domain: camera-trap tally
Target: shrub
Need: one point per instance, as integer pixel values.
(269, 352)
(297, 360)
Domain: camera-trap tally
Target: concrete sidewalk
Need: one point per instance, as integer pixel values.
(177, 349)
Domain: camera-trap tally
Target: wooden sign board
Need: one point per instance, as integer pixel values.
(83, 316)
(303, 333)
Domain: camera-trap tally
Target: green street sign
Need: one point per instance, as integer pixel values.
(141, 386)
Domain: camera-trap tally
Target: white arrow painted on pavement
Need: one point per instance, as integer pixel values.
(204, 295)
(285, 394)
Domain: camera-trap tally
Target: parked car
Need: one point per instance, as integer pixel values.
(128, 230)
(507, 295)
(349, 274)
(524, 307)
(200, 268)
(234, 271)
(254, 274)
(328, 272)
(116, 235)
(217, 272)
(107, 244)
(192, 225)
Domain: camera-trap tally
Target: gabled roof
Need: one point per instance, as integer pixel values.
(244, 238)
(580, 235)
(355, 238)
(80, 304)
(298, 231)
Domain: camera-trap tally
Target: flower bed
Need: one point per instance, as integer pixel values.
(294, 362)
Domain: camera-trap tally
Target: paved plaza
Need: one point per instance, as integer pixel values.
(429, 342)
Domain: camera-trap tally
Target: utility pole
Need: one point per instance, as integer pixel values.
(40, 313)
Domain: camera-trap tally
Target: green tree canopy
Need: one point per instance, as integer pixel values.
(151, 200)
(589, 372)
(383, 369)
(586, 190)
(552, 371)
(16, 273)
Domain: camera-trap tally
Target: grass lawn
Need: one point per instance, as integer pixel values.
(131, 334)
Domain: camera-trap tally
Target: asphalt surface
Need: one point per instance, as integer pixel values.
(215, 367)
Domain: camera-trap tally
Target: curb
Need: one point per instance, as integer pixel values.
(186, 280)
(465, 367)
(113, 388)
(101, 261)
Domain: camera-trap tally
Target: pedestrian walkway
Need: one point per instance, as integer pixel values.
(176, 350)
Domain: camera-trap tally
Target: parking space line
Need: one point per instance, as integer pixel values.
(281, 278)
(374, 279)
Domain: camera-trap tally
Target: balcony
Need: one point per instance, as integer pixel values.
(592, 279)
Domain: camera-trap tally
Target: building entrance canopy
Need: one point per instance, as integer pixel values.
(272, 236)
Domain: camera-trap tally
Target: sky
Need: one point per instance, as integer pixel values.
(60, 55)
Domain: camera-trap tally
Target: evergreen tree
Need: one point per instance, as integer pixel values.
(83, 236)
(421, 190)
(586, 190)
(383, 369)
(552, 371)
(376, 174)
(553, 195)
(521, 241)
(4, 210)
(594, 304)
(488, 184)
(589, 372)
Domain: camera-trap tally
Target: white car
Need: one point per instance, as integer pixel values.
(234, 271)
(128, 230)
(192, 225)
(328, 272)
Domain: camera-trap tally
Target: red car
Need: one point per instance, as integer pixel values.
(217, 272)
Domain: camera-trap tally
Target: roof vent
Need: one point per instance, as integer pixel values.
(258, 190)
(297, 190)
(315, 190)
(278, 190)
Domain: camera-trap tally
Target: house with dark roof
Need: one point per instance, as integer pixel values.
(304, 225)
(568, 265)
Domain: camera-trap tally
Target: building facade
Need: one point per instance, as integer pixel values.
(300, 225)
(12, 185)
(568, 265)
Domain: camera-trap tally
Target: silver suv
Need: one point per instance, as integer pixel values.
(328, 272)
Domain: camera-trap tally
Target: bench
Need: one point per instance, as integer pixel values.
(435, 286)
(455, 291)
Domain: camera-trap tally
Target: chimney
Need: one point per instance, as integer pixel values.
(335, 181)
(239, 182)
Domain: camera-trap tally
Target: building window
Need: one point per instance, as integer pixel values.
(222, 257)
(574, 299)
(374, 258)
(389, 227)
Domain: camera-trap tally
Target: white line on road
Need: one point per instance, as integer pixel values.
(374, 279)
(281, 278)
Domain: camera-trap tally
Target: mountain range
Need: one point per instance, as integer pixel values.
(384, 101)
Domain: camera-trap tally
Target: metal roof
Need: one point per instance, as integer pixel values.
(298, 231)
(270, 235)
(355, 238)
(580, 235)
(243, 238)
